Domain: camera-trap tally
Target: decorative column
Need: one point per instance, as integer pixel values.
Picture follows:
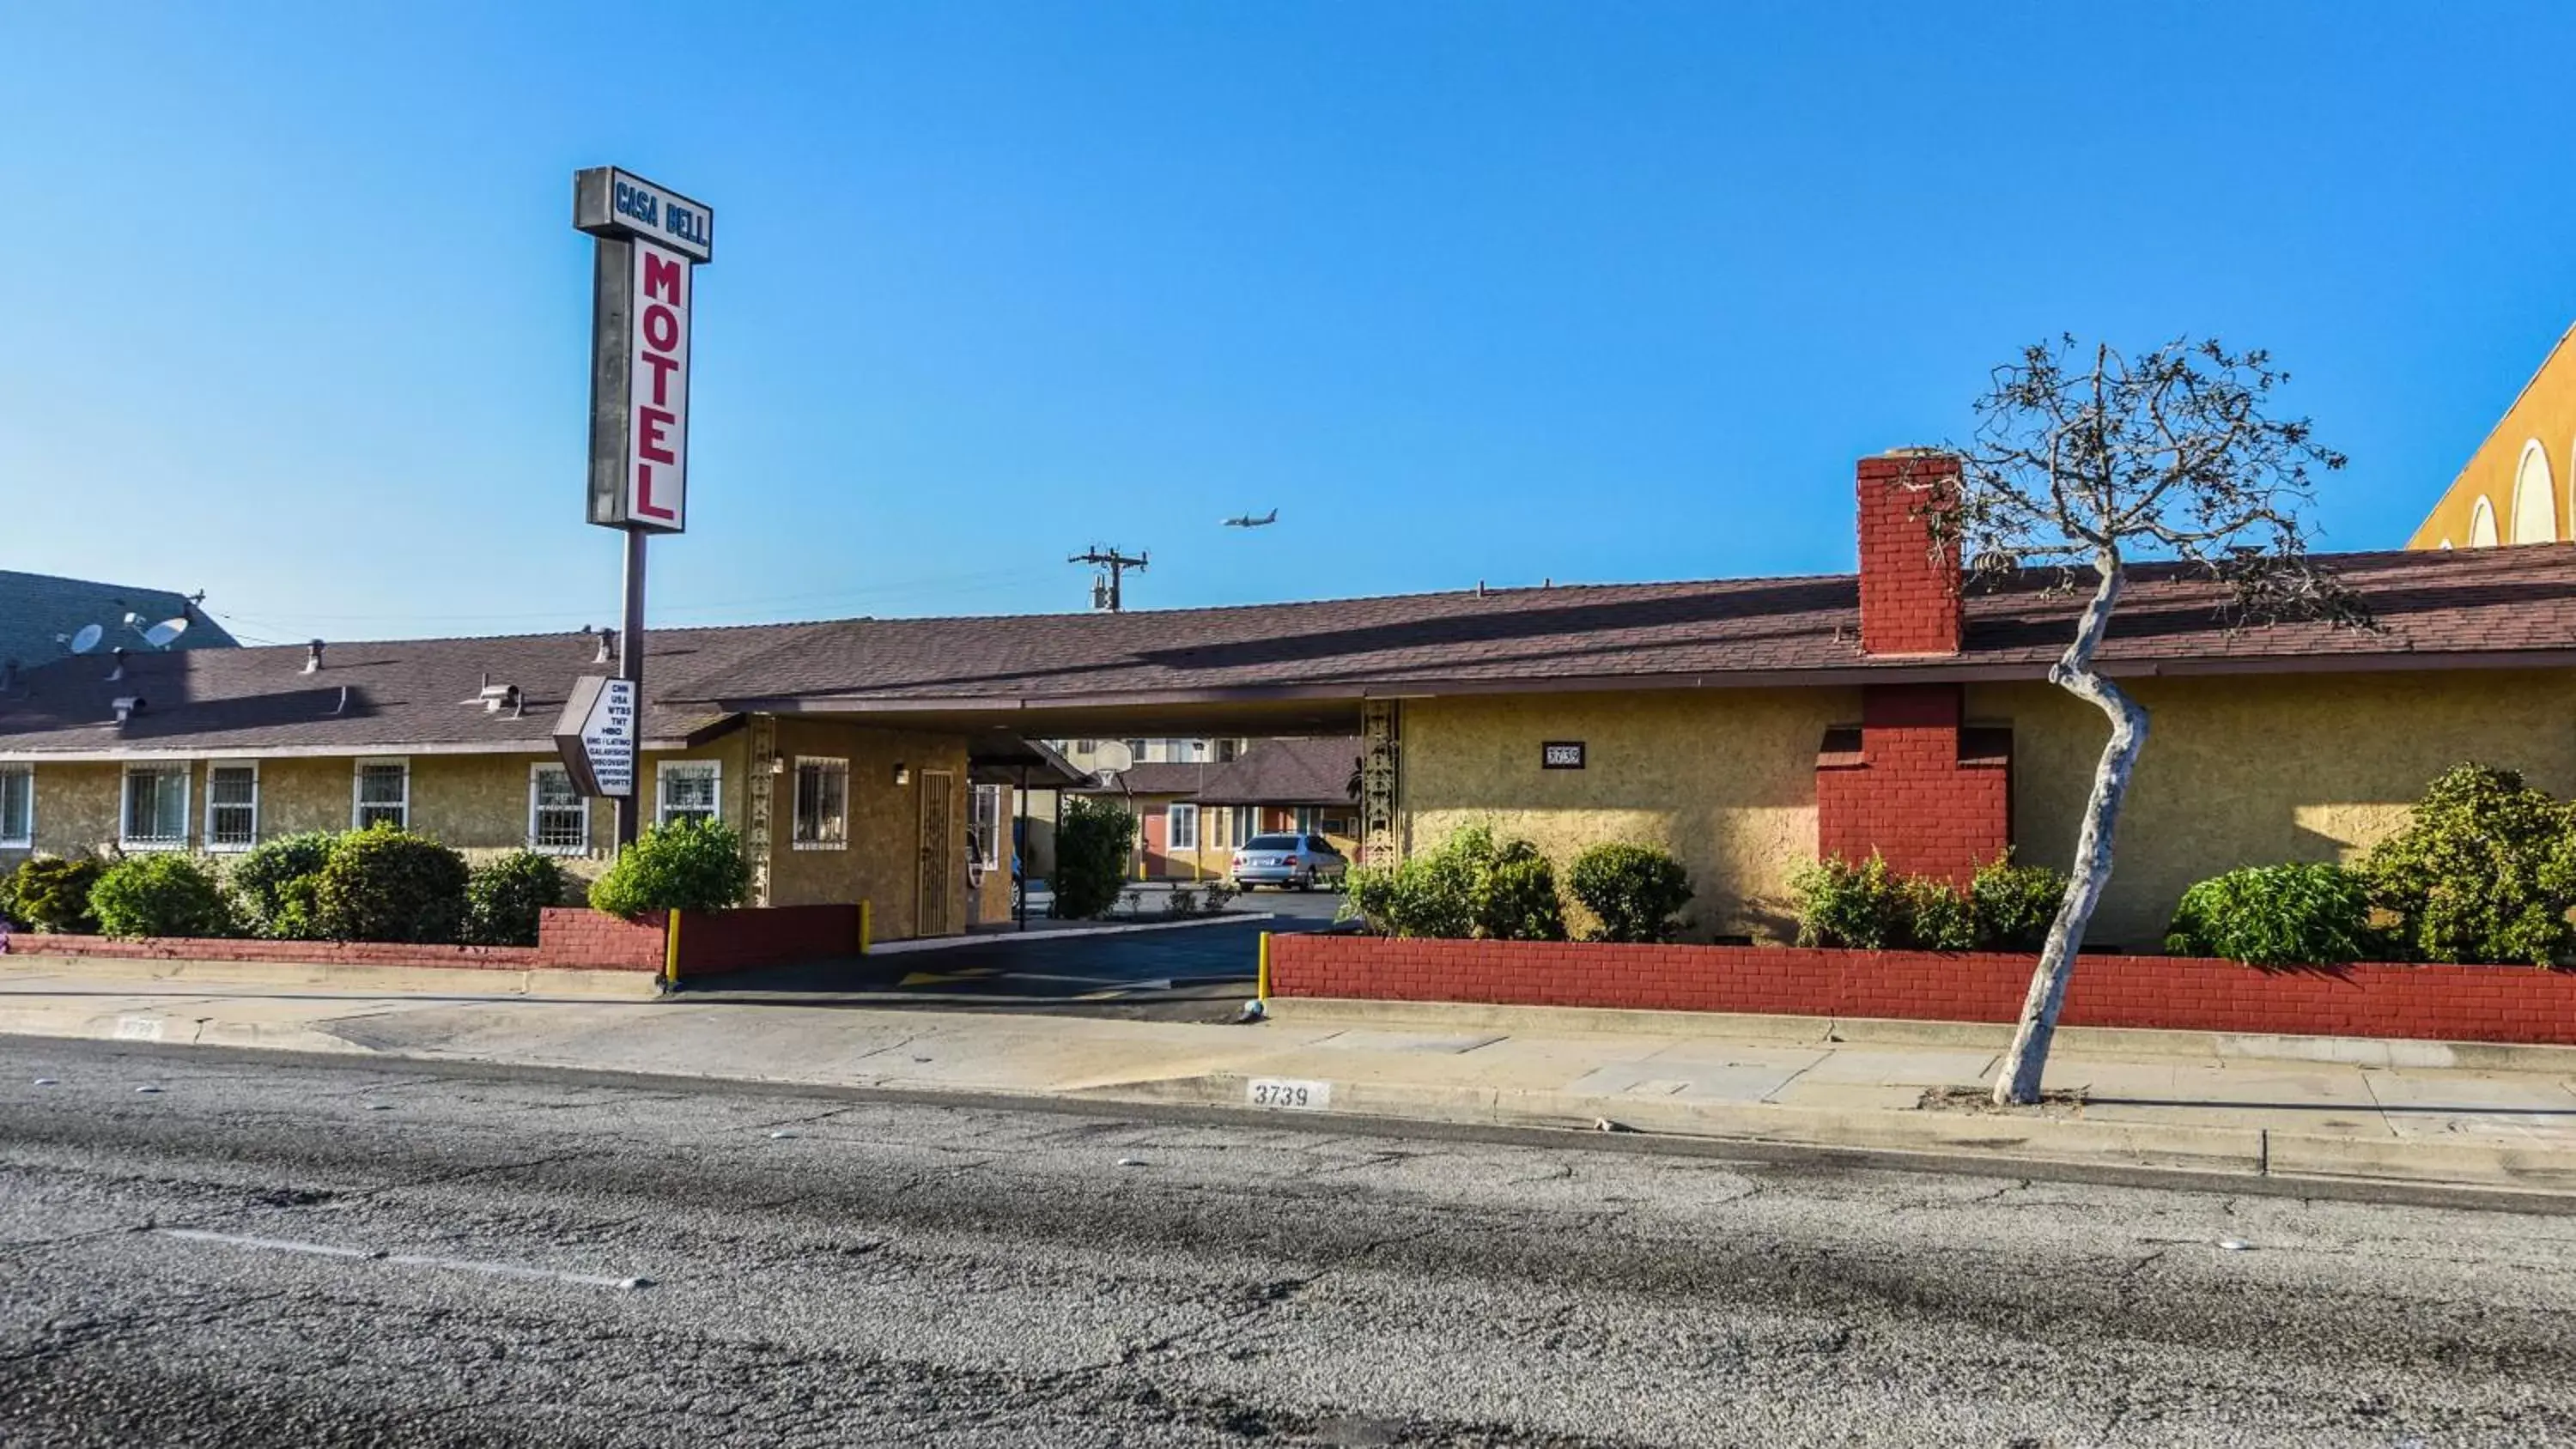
(760, 802)
(1379, 748)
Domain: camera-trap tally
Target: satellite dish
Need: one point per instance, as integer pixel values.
(160, 635)
(1114, 756)
(87, 639)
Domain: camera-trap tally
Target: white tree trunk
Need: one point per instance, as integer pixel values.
(2018, 1082)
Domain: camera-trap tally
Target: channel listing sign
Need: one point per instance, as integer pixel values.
(651, 241)
(595, 735)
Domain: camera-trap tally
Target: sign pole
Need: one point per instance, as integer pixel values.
(630, 667)
(651, 241)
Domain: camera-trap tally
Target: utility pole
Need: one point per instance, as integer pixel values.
(1105, 591)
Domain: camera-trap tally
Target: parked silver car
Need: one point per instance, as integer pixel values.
(1290, 862)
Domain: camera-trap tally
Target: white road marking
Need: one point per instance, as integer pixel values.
(408, 1260)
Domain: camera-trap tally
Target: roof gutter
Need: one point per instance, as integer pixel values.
(1925, 671)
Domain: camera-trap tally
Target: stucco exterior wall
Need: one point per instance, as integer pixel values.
(2254, 771)
(1725, 779)
(2541, 419)
(882, 862)
(477, 804)
(2237, 771)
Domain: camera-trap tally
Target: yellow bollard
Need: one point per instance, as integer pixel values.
(867, 928)
(671, 951)
(1261, 988)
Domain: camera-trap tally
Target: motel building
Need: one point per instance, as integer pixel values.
(1746, 725)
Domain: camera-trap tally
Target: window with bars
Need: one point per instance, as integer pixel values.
(688, 790)
(988, 825)
(383, 794)
(1181, 827)
(558, 815)
(822, 804)
(17, 805)
(155, 816)
(232, 806)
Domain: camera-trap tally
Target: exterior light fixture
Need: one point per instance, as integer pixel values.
(903, 774)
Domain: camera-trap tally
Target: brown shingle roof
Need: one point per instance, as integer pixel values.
(401, 693)
(2500, 605)
(2483, 601)
(1286, 772)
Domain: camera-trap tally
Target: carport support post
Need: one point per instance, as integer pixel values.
(1020, 854)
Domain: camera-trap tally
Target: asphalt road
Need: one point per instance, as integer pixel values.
(278, 1250)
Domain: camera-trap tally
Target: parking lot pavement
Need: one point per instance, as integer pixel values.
(1201, 972)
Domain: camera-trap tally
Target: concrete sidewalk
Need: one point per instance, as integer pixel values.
(2329, 1107)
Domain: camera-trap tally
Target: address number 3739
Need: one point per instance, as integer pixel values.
(1288, 1094)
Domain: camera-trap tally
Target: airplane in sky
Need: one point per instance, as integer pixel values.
(1248, 521)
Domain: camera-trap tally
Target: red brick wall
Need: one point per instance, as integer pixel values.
(1909, 602)
(2440, 1003)
(577, 936)
(715, 942)
(310, 953)
(1911, 799)
(568, 938)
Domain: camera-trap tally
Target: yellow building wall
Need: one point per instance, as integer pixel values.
(883, 861)
(2542, 420)
(1724, 779)
(2254, 771)
(2237, 771)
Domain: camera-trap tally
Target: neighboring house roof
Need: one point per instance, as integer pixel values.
(2488, 606)
(1287, 772)
(1156, 777)
(35, 608)
(401, 694)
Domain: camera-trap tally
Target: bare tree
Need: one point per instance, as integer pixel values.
(2089, 458)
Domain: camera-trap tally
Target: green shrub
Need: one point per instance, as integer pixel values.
(1841, 904)
(384, 884)
(2275, 915)
(1938, 916)
(691, 864)
(1515, 896)
(1466, 886)
(505, 898)
(1093, 845)
(1635, 891)
(51, 893)
(273, 885)
(160, 895)
(2015, 904)
(2485, 870)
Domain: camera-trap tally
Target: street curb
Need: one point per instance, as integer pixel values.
(1879, 1031)
(950, 943)
(2242, 1151)
(610, 984)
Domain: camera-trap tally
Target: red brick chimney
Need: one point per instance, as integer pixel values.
(1909, 601)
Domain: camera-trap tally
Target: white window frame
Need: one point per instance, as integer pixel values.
(829, 764)
(1173, 816)
(666, 770)
(1309, 819)
(1242, 822)
(358, 803)
(215, 845)
(27, 839)
(185, 774)
(537, 772)
(988, 839)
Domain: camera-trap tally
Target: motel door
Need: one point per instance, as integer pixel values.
(943, 853)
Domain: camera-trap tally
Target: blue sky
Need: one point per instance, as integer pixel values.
(292, 310)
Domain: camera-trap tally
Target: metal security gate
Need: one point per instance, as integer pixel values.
(943, 854)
